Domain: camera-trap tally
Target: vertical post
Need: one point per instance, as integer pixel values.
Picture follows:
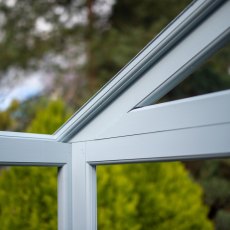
(64, 197)
(83, 189)
(65, 221)
(91, 197)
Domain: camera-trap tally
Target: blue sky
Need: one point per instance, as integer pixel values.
(30, 86)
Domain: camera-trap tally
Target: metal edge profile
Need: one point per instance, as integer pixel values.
(31, 136)
(162, 159)
(185, 70)
(181, 26)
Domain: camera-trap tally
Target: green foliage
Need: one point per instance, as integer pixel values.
(214, 176)
(20, 40)
(132, 24)
(146, 196)
(28, 195)
(49, 119)
(134, 13)
(211, 77)
(28, 198)
(7, 120)
(108, 41)
(30, 115)
(222, 220)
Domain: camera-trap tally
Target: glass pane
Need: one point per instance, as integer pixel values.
(28, 198)
(213, 76)
(56, 54)
(173, 195)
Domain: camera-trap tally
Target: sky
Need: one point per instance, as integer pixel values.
(32, 85)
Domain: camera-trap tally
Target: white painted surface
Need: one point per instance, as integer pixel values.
(197, 111)
(192, 143)
(196, 42)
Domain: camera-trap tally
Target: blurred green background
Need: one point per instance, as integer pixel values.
(54, 55)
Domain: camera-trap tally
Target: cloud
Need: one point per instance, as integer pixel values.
(30, 87)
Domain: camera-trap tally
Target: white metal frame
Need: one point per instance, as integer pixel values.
(118, 125)
(42, 150)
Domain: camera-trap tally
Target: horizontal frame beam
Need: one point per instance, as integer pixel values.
(42, 150)
(20, 135)
(33, 151)
(187, 144)
(191, 112)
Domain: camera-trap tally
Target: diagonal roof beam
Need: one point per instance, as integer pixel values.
(199, 44)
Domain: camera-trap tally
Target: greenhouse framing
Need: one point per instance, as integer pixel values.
(123, 124)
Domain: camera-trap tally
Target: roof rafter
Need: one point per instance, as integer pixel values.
(159, 77)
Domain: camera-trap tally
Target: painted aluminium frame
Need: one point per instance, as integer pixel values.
(134, 131)
(188, 129)
(24, 149)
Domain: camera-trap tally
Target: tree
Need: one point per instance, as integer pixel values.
(149, 196)
(7, 119)
(49, 119)
(28, 198)
(214, 177)
(77, 43)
